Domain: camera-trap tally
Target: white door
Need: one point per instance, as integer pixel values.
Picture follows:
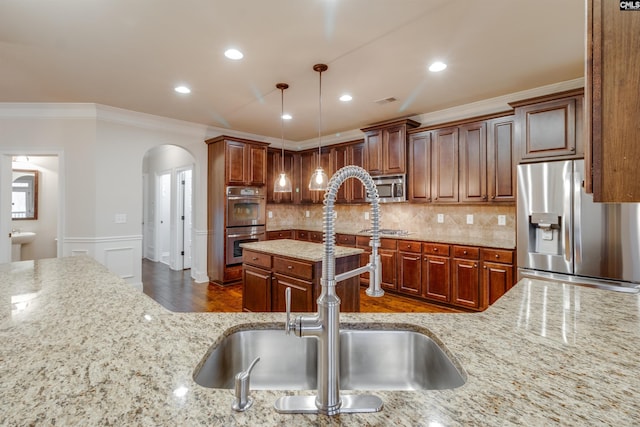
(163, 218)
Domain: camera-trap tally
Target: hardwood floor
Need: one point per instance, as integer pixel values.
(176, 291)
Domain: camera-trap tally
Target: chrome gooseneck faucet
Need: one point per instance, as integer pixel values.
(325, 325)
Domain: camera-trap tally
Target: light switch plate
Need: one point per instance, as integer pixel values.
(366, 216)
(270, 214)
(306, 214)
(470, 219)
(502, 220)
(440, 218)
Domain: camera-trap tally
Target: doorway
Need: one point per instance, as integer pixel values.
(167, 228)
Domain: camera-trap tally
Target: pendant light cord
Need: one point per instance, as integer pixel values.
(282, 88)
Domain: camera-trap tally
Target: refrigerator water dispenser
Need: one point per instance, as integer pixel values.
(544, 233)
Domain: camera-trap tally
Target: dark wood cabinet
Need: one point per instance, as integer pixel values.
(245, 162)
(419, 168)
(302, 235)
(549, 128)
(385, 147)
(497, 276)
(612, 103)
(410, 267)
(274, 167)
(256, 289)
(436, 272)
(266, 277)
(473, 162)
(351, 153)
(388, 252)
(280, 234)
(501, 159)
(466, 277)
(444, 166)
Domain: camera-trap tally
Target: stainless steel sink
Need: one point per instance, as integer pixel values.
(370, 359)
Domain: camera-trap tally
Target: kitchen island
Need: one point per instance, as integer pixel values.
(81, 347)
(270, 267)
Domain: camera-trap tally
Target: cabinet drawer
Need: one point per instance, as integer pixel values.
(281, 234)
(435, 249)
(466, 252)
(345, 239)
(363, 242)
(302, 235)
(293, 268)
(390, 244)
(256, 258)
(316, 236)
(497, 255)
(409, 246)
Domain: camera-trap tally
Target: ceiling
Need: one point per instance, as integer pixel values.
(131, 54)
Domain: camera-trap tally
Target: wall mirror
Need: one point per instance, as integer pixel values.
(24, 194)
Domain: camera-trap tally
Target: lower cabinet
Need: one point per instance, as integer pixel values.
(256, 289)
(497, 276)
(466, 277)
(409, 267)
(436, 272)
(301, 293)
(387, 252)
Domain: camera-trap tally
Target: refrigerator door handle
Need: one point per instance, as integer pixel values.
(577, 216)
(567, 244)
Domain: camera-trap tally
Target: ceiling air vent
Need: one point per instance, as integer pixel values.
(385, 100)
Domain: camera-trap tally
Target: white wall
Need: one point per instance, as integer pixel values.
(103, 150)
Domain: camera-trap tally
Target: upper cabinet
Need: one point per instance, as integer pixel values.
(612, 101)
(385, 146)
(245, 161)
(468, 163)
(351, 153)
(550, 127)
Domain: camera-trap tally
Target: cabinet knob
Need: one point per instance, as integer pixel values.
(497, 256)
(435, 249)
(255, 258)
(493, 196)
(484, 266)
(464, 252)
(290, 267)
(475, 265)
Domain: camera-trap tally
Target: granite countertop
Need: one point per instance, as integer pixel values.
(482, 239)
(307, 251)
(81, 347)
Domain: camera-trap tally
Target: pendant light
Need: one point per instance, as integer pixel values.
(319, 179)
(282, 183)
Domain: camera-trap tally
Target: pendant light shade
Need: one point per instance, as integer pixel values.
(282, 183)
(319, 179)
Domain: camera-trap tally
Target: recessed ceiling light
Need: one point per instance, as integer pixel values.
(182, 89)
(286, 117)
(346, 98)
(437, 66)
(233, 54)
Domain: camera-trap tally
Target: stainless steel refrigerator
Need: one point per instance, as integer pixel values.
(562, 234)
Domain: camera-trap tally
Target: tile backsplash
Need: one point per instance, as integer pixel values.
(405, 216)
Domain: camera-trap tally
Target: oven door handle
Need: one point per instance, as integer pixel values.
(245, 235)
(248, 198)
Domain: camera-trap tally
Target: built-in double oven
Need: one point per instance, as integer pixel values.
(245, 219)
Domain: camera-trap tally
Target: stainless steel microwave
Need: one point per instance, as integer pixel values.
(391, 188)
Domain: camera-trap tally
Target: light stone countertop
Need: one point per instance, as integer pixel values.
(81, 347)
(482, 239)
(307, 251)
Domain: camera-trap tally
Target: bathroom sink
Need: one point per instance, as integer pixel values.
(22, 237)
(370, 359)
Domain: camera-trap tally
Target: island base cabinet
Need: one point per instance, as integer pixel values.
(256, 289)
(301, 293)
